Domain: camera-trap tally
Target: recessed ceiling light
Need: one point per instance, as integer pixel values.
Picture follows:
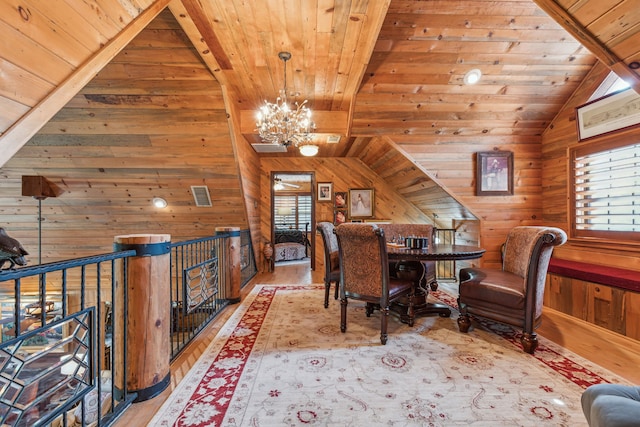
(472, 77)
(159, 202)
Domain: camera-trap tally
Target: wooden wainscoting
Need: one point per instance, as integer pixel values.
(615, 309)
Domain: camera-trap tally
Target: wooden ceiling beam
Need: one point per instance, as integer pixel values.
(588, 40)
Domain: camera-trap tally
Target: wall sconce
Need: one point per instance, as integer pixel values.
(159, 202)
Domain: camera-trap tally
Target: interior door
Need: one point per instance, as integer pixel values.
(293, 205)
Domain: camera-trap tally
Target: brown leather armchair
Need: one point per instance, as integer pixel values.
(513, 294)
(331, 259)
(364, 274)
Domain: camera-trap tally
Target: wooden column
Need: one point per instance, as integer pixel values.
(231, 262)
(147, 317)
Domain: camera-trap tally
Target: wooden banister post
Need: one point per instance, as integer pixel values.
(147, 328)
(231, 263)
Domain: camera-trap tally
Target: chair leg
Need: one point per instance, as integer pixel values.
(384, 320)
(529, 342)
(368, 309)
(337, 289)
(343, 315)
(327, 285)
(464, 320)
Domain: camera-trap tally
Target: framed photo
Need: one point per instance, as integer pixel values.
(325, 193)
(340, 200)
(361, 202)
(494, 173)
(613, 112)
(339, 216)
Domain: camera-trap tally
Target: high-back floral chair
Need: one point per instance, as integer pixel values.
(364, 274)
(331, 259)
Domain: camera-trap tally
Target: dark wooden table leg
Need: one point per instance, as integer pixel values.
(415, 271)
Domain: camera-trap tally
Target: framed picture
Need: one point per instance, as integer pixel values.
(340, 200)
(613, 112)
(361, 202)
(494, 173)
(325, 191)
(339, 216)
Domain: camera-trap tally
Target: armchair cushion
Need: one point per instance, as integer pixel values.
(493, 287)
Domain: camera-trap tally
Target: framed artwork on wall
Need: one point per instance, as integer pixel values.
(613, 112)
(494, 173)
(339, 216)
(361, 202)
(340, 200)
(325, 193)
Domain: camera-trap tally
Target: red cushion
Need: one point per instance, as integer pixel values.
(611, 276)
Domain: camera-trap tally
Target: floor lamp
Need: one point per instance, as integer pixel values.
(39, 188)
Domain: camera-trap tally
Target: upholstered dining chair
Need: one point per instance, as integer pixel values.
(364, 274)
(331, 259)
(514, 293)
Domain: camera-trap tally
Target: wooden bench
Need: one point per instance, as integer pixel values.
(610, 276)
(605, 296)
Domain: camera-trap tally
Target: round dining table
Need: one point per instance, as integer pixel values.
(436, 252)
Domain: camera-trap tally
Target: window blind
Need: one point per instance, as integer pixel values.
(292, 211)
(607, 189)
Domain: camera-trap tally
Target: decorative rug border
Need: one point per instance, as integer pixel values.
(226, 356)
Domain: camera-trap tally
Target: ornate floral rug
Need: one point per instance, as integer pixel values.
(281, 360)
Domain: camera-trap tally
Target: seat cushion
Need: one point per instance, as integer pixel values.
(491, 288)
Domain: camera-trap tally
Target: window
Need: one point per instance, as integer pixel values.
(292, 211)
(606, 188)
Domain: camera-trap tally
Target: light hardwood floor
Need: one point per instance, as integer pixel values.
(614, 352)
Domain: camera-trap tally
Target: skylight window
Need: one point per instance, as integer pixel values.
(611, 84)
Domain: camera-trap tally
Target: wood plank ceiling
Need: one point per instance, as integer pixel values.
(366, 67)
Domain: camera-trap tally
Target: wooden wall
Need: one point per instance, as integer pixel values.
(344, 173)
(562, 134)
(605, 306)
(151, 123)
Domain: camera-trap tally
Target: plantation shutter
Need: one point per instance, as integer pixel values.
(607, 189)
(292, 211)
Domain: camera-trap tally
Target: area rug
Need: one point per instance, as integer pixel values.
(281, 360)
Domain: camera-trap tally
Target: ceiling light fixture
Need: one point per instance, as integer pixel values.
(472, 76)
(159, 202)
(280, 125)
(309, 150)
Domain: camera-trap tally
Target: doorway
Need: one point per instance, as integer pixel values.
(293, 217)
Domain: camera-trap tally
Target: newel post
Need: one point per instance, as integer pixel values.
(147, 328)
(230, 263)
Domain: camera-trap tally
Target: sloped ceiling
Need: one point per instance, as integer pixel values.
(366, 67)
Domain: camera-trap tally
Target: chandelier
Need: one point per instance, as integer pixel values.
(279, 124)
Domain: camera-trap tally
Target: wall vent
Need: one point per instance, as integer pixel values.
(333, 139)
(269, 148)
(201, 195)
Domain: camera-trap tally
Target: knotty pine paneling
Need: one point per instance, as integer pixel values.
(561, 135)
(346, 173)
(147, 125)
